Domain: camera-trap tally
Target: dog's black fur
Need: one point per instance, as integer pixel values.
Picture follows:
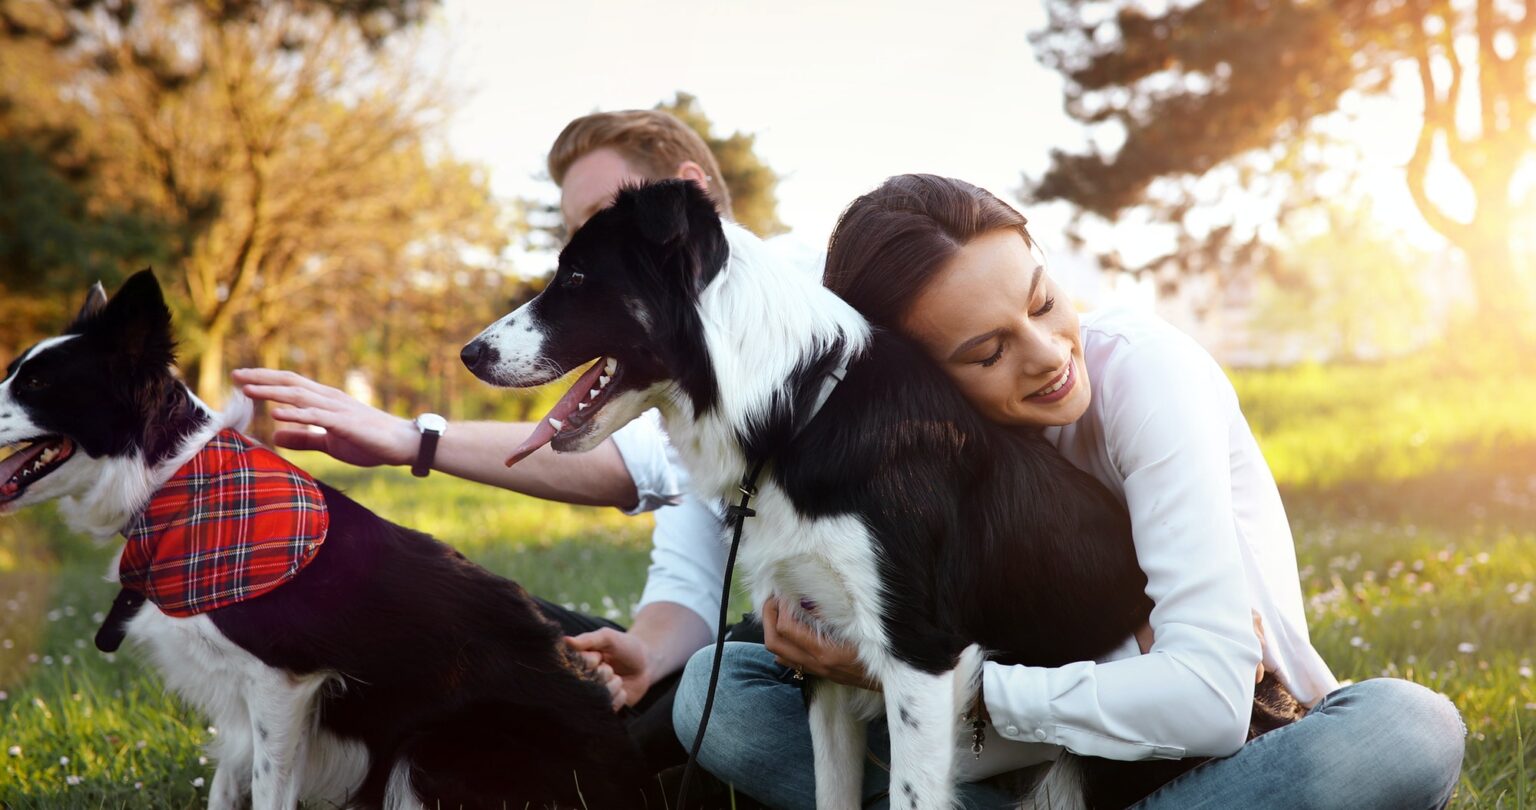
(984, 533)
(437, 660)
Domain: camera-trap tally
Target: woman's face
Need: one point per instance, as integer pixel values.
(1004, 332)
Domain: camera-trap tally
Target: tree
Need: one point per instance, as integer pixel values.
(1240, 92)
(264, 138)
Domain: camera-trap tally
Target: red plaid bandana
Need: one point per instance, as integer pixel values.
(233, 523)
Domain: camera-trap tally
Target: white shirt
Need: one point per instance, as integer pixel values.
(1164, 432)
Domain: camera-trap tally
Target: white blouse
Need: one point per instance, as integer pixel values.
(1164, 432)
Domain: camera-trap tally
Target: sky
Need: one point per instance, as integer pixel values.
(840, 95)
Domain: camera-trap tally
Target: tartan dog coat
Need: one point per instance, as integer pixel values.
(233, 523)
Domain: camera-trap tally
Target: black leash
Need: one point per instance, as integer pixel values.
(736, 514)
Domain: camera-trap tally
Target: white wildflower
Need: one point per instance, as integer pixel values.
(1466, 647)
(14, 750)
(198, 782)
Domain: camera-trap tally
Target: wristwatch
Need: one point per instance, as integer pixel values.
(432, 428)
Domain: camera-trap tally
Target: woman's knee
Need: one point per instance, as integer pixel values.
(1408, 730)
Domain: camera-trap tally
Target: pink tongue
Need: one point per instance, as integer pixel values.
(13, 464)
(544, 431)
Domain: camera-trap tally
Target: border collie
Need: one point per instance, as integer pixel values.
(928, 538)
(388, 672)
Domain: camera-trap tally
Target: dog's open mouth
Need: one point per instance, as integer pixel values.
(571, 415)
(32, 461)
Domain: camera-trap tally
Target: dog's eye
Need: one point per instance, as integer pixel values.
(574, 280)
(32, 382)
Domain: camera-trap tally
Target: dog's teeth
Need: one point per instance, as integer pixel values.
(610, 366)
(556, 423)
(602, 382)
(581, 406)
(591, 394)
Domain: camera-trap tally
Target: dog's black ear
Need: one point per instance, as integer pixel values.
(139, 321)
(95, 302)
(661, 210)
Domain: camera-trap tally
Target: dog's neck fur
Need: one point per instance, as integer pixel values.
(121, 487)
(762, 322)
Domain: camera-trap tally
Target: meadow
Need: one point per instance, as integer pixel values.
(1411, 487)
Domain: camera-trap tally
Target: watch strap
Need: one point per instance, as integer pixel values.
(425, 453)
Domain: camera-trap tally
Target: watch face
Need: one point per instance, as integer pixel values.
(431, 422)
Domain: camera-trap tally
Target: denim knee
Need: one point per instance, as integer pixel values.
(1405, 736)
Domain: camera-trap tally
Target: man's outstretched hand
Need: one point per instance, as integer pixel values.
(620, 660)
(354, 432)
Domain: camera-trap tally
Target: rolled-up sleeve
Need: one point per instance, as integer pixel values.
(687, 560)
(1166, 430)
(648, 457)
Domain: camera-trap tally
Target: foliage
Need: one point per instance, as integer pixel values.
(1349, 293)
(1213, 101)
(278, 163)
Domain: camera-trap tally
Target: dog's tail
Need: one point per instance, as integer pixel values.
(1062, 786)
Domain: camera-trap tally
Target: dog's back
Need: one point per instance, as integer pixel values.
(442, 665)
(987, 533)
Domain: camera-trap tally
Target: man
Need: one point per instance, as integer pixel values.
(633, 470)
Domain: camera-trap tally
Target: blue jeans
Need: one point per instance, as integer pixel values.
(1382, 743)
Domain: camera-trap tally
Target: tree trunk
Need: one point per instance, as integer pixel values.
(211, 383)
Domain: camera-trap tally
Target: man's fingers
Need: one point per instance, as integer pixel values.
(596, 640)
(279, 377)
(298, 439)
(308, 416)
(289, 395)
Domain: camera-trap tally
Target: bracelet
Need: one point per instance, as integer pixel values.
(973, 718)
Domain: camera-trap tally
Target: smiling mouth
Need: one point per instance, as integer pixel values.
(32, 461)
(1055, 387)
(573, 413)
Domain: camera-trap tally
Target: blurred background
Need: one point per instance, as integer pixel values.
(1337, 199)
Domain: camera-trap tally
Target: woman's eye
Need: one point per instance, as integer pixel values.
(992, 361)
(1050, 303)
(574, 280)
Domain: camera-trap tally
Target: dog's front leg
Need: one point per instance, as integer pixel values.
(230, 781)
(282, 721)
(923, 711)
(838, 742)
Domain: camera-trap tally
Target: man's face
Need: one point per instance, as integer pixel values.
(591, 183)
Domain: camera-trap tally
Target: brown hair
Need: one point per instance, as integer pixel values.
(889, 243)
(655, 143)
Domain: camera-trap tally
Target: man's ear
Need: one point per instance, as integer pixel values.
(138, 318)
(95, 302)
(661, 211)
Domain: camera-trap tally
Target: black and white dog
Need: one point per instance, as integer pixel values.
(390, 672)
(928, 538)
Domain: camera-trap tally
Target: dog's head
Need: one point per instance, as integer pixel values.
(625, 294)
(95, 393)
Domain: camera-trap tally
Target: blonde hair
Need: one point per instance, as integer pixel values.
(655, 143)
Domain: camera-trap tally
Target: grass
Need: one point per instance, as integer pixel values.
(1411, 488)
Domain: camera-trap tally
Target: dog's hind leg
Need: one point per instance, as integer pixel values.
(838, 742)
(283, 720)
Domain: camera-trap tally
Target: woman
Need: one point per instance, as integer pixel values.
(1144, 409)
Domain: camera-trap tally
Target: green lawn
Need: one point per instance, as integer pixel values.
(1411, 487)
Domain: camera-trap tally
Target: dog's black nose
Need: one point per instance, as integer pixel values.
(473, 351)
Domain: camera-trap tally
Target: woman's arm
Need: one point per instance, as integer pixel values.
(1166, 420)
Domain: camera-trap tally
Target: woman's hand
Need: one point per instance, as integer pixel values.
(354, 432)
(796, 644)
